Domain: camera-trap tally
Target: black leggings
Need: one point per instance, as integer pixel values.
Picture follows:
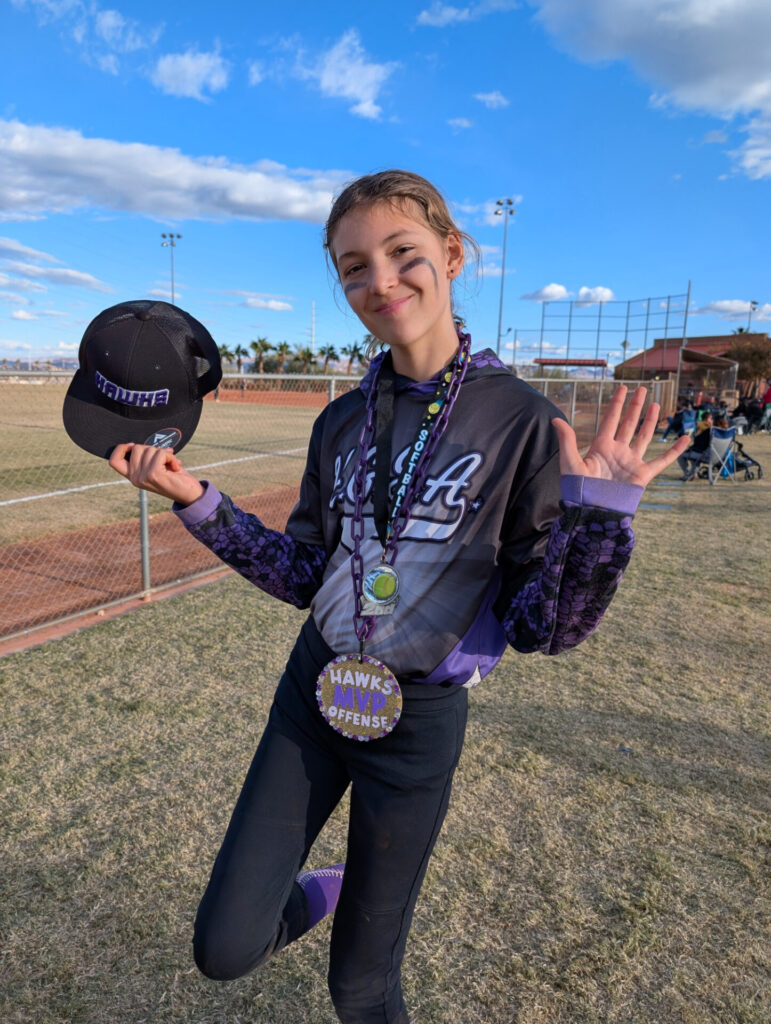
(401, 784)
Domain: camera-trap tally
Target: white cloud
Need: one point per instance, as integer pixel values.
(109, 64)
(47, 170)
(21, 285)
(549, 293)
(591, 296)
(459, 124)
(754, 157)
(191, 74)
(57, 275)
(260, 300)
(120, 33)
(256, 72)
(440, 15)
(10, 247)
(254, 302)
(492, 100)
(733, 309)
(493, 269)
(22, 314)
(484, 213)
(345, 72)
(711, 56)
(714, 137)
(95, 29)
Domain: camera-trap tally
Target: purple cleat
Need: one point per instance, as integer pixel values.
(322, 889)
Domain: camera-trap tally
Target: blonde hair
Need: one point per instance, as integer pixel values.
(398, 188)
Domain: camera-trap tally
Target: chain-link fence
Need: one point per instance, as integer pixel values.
(72, 538)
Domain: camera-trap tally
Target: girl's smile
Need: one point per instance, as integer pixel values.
(392, 307)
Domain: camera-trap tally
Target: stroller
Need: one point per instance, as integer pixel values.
(745, 463)
(726, 457)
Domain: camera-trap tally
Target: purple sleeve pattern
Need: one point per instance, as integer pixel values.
(275, 562)
(588, 550)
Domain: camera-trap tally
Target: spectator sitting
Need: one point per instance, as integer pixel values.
(765, 401)
(675, 423)
(699, 450)
(754, 414)
(739, 418)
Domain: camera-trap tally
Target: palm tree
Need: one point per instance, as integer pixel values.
(239, 352)
(370, 346)
(307, 358)
(328, 352)
(226, 356)
(260, 348)
(354, 353)
(282, 351)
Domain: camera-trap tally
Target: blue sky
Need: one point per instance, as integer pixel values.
(633, 136)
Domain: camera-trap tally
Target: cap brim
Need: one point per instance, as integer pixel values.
(97, 430)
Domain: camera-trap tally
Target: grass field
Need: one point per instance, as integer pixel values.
(252, 447)
(602, 861)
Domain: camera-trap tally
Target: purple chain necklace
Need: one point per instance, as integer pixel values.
(365, 626)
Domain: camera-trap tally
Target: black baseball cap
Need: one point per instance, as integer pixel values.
(144, 369)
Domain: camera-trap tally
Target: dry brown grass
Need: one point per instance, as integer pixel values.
(603, 856)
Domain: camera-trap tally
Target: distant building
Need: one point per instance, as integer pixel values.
(701, 364)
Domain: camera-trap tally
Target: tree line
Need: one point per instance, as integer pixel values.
(263, 356)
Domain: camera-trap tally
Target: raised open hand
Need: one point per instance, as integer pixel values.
(618, 449)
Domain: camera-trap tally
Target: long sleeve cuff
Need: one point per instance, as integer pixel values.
(201, 508)
(596, 493)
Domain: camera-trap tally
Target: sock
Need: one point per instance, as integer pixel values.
(321, 888)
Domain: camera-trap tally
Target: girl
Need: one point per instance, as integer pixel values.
(444, 512)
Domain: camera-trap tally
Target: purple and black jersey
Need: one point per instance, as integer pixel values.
(490, 554)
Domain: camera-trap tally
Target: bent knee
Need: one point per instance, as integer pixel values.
(222, 959)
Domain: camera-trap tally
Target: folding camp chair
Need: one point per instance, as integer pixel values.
(721, 464)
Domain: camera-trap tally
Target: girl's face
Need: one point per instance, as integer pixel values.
(396, 275)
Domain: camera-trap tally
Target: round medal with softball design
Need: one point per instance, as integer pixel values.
(380, 590)
(359, 697)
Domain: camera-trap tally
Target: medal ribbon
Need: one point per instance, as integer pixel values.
(379, 425)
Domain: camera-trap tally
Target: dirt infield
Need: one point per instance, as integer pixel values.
(54, 578)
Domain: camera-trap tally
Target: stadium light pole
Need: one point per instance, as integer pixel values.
(505, 210)
(750, 311)
(171, 243)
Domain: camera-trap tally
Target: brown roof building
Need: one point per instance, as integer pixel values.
(702, 361)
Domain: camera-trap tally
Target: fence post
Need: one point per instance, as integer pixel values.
(331, 390)
(144, 542)
(573, 405)
(599, 407)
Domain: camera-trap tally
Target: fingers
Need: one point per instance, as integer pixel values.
(629, 423)
(157, 470)
(570, 459)
(655, 466)
(647, 429)
(119, 458)
(612, 415)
